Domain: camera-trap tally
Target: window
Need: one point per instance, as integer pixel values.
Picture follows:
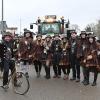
(50, 28)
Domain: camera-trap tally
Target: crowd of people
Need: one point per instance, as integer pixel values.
(61, 52)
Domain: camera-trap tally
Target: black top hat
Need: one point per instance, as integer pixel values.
(91, 36)
(7, 34)
(83, 32)
(48, 36)
(28, 31)
(73, 32)
(56, 35)
(39, 35)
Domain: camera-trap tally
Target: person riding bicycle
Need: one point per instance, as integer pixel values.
(7, 57)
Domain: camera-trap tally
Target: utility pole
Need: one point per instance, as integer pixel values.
(20, 26)
(2, 19)
(2, 11)
(3, 23)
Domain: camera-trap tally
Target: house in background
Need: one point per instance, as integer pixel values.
(12, 30)
(3, 27)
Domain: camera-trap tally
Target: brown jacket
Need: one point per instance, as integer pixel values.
(82, 44)
(64, 61)
(91, 57)
(38, 51)
(98, 52)
(26, 48)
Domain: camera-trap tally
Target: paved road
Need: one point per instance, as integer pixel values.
(54, 89)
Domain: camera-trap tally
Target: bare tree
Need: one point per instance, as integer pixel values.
(91, 28)
(75, 27)
(95, 28)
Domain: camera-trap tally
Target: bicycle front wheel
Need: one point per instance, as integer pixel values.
(23, 85)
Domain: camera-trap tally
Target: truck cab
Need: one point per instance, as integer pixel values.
(50, 25)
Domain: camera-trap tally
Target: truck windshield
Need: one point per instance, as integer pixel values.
(50, 28)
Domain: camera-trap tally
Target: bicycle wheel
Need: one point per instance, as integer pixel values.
(1, 78)
(23, 84)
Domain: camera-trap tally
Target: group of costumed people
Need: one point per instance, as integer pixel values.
(60, 52)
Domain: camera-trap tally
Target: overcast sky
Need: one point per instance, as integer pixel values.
(79, 12)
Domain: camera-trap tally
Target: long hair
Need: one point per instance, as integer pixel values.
(94, 44)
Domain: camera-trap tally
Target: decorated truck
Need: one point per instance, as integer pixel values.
(50, 25)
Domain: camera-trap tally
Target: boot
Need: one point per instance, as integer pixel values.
(94, 84)
(73, 78)
(55, 76)
(78, 80)
(86, 82)
(95, 79)
(48, 73)
(47, 76)
(38, 74)
(65, 77)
